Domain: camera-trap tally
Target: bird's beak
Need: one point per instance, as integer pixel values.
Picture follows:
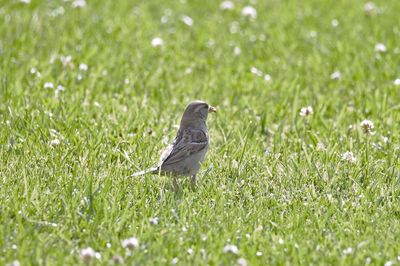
(212, 109)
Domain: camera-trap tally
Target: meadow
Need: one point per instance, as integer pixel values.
(303, 166)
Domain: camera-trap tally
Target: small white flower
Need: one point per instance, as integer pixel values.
(306, 111)
(280, 241)
(335, 23)
(130, 243)
(258, 253)
(348, 251)
(14, 263)
(33, 70)
(25, 1)
(174, 261)
(108, 245)
(380, 48)
(83, 67)
(321, 146)
(60, 88)
(367, 126)
(349, 157)
(396, 82)
(157, 42)
(187, 20)
(256, 71)
(87, 254)
(369, 8)
(55, 142)
(249, 12)
(389, 263)
(237, 50)
(79, 3)
(66, 61)
(242, 262)
(231, 249)
(227, 5)
(188, 71)
(336, 75)
(154, 220)
(190, 251)
(48, 85)
(267, 77)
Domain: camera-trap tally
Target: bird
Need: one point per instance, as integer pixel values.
(187, 152)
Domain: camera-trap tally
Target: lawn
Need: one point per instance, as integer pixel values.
(303, 166)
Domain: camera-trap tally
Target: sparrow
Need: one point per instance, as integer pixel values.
(188, 150)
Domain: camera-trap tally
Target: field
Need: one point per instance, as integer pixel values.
(303, 166)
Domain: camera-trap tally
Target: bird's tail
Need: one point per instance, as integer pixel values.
(147, 171)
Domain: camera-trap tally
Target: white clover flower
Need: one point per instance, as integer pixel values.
(249, 12)
(306, 111)
(83, 67)
(348, 251)
(190, 251)
(227, 5)
(380, 48)
(349, 157)
(48, 85)
(313, 34)
(396, 82)
(33, 70)
(66, 61)
(267, 77)
(367, 126)
(231, 249)
(174, 261)
(369, 8)
(256, 71)
(87, 254)
(335, 23)
(154, 220)
(79, 3)
(336, 75)
(321, 146)
(390, 263)
(242, 262)
(157, 42)
(187, 20)
(55, 142)
(258, 253)
(237, 50)
(130, 243)
(188, 71)
(14, 263)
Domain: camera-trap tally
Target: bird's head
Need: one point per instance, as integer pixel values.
(196, 111)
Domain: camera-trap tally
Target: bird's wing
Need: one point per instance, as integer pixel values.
(187, 142)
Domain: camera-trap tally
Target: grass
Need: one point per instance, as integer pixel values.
(267, 185)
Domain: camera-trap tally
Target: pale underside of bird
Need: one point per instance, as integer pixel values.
(187, 152)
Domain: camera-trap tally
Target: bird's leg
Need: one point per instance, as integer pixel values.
(193, 180)
(175, 183)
